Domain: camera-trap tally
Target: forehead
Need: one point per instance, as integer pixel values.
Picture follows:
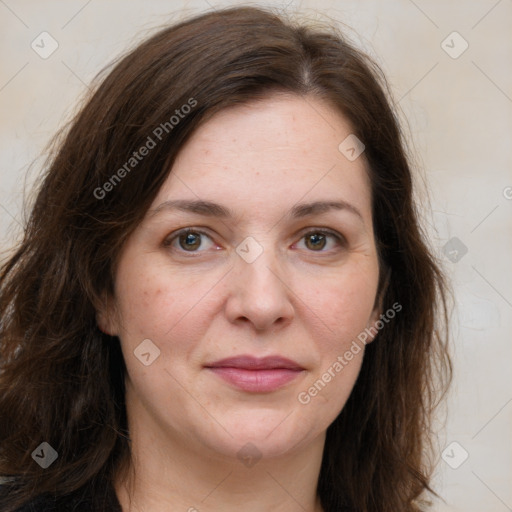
(268, 155)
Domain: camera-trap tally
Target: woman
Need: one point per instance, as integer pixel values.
(223, 297)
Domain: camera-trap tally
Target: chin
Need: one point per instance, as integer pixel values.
(266, 434)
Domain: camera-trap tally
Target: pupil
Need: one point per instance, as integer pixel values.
(318, 240)
(190, 240)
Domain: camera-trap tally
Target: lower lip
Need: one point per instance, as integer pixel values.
(257, 381)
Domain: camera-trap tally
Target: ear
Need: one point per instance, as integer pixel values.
(106, 317)
(372, 328)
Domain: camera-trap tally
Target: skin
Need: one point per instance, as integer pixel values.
(299, 300)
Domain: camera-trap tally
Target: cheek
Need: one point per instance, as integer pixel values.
(338, 310)
(343, 302)
(145, 305)
(339, 353)
(156, 304)
(146, 295)
(164, 306)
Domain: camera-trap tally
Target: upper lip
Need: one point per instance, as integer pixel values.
(247, 362)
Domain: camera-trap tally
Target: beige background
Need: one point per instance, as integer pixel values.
(459, 112)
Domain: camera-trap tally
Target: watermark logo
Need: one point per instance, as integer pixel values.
(351, 147)
(147, 352)
(454, 249)
(455, 455)
(45, 455)
(249, 455)
(167, 126)
(249, 249)
(304, 397)
(44, 45)
(454, 45)
(157, 135)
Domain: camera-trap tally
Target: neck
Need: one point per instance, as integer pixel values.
(166, 474)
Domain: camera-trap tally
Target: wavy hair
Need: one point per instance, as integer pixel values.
(62, 379)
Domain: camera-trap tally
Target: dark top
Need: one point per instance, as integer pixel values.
(92, 498)
(83, 500)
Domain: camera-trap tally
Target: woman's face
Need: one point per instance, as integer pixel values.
(271, 268)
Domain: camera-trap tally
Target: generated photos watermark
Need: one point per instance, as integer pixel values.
(157, 135)
(342, 361)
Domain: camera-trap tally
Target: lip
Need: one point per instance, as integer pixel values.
(256, 375)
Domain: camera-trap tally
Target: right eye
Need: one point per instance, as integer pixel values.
(188, 240)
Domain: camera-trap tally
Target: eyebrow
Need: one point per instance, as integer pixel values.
(211, 209)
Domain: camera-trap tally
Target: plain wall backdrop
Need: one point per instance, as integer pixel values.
(448, 63)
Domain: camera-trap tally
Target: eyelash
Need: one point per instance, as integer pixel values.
(340, 239)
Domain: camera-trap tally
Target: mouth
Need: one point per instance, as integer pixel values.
(256, 375)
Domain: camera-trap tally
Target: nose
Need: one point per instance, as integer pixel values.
(260, 293)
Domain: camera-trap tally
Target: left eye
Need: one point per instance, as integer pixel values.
(191, 240)
(316, 241)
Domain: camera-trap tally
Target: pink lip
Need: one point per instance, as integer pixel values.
(257, 375)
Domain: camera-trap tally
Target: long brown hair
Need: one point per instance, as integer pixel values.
(62, 379)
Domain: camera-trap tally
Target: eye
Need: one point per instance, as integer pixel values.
(318, 239)
(189, 240)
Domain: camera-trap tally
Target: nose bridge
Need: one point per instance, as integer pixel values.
(258, 266)
(259, 292)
